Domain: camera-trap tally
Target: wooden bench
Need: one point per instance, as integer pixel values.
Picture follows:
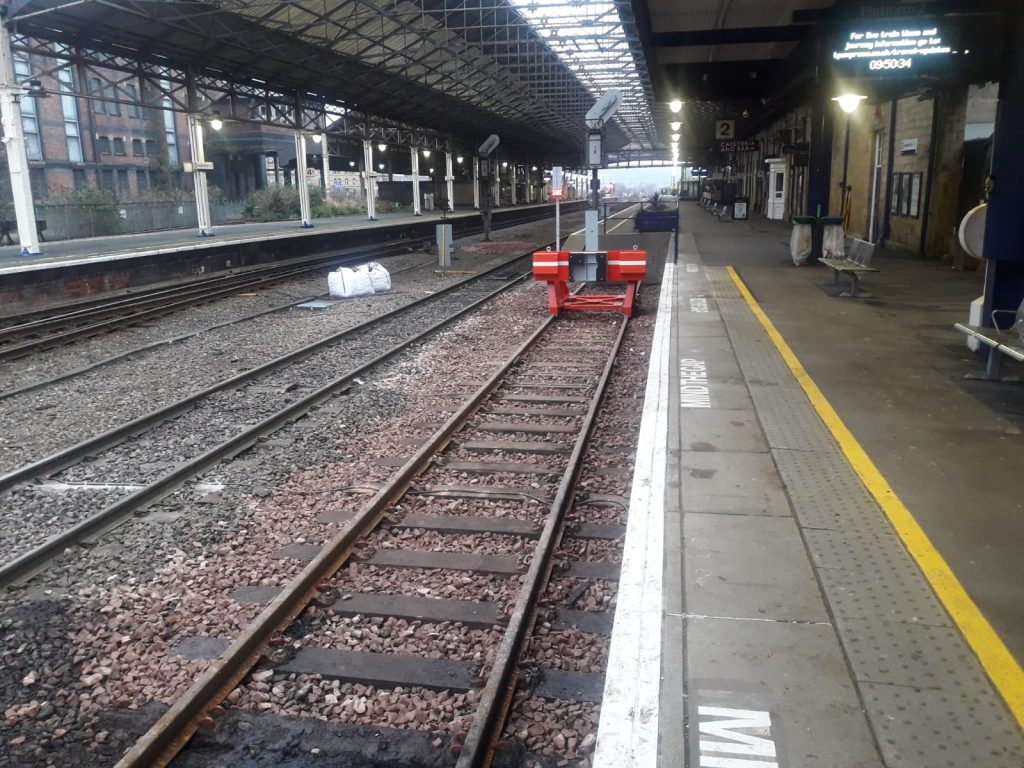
(7, 226)
(856, 262)
(1009, 343)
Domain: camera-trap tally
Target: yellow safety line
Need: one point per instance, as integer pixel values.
(993, 654)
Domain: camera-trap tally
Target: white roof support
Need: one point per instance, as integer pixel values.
(415, 153)
(370, 177)
(449, 180)
(202, 192)
(17, 154)
(302, 180)
(476, 182)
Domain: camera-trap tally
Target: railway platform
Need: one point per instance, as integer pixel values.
(75, 270)
(821, 566)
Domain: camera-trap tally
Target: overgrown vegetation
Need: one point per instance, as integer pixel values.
(102, 205)
(281, 203)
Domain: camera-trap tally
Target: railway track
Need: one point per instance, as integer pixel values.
(28, 334)
(485, 496)
(226, 418)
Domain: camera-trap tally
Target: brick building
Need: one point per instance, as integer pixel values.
(105, 141)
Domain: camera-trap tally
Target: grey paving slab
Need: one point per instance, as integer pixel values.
(731, 483)
(721, 430)
(863, 595)
(748, 567)
(915, 655)
(926, 728)
(730, 395)
(797, 673)
(703, 329)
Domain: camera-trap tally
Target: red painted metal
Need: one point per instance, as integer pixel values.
(628, 267)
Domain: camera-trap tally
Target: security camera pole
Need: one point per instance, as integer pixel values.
(485, 152)
(596, 119)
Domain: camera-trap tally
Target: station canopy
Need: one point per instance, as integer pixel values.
(527, 70)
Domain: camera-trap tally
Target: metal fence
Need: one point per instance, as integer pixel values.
(69, 222)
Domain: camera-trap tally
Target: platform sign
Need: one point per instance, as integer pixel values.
(899, 48)
(725, 130)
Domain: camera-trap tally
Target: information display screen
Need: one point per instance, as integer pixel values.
(900, 49)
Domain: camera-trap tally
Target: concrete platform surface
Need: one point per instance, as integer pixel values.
(836, 526)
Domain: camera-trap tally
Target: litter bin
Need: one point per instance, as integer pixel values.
(801, 240)
(833, 244)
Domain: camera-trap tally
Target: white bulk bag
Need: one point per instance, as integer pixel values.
(345, 283)
(379, 276)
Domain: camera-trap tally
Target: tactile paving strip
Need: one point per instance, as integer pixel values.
(928, 728)
(923, 689)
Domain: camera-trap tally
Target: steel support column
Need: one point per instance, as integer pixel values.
(512, 182)
(369, 176)
(414, 154)
(17, 154)
(1004, 230)
(202, 192)
(449, 180)
(476, 182)
(301, 181)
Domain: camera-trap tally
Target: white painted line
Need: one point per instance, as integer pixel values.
(735, 738)
(699, 304)
(581, 231)
(694, 391)
(627, 735)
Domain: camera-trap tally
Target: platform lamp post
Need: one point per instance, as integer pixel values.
(11, 91)
(848, 102)
(595, 120)
(487, 171)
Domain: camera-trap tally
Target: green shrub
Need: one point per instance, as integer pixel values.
(280, 203)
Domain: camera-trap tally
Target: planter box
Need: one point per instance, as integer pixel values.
(656, 221)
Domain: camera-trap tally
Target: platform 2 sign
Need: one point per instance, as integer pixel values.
(901, 49)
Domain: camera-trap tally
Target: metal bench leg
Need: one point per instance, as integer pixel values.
(994, 366)
(854, 285)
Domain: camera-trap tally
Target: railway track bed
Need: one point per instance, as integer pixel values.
(142, 636)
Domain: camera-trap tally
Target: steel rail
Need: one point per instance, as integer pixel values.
(496, 697)
(165, 342)
(66, 457)
(144, 308)
(161, 743)
(35, 559)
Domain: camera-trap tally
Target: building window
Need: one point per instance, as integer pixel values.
(103, 145)
(122, 182)
(69, 105)
(29, 115)
(107, 180)
(133, 95)
(119, 146)
(142, 180)
(150, 147)
(105, 101)
(169, 134)
(96, 89)
(138, 150)
(112, 104)
(80, 181)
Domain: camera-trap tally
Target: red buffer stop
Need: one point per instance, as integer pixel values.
(559, 268)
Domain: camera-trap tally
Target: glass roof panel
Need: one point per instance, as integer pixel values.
(589, 38)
